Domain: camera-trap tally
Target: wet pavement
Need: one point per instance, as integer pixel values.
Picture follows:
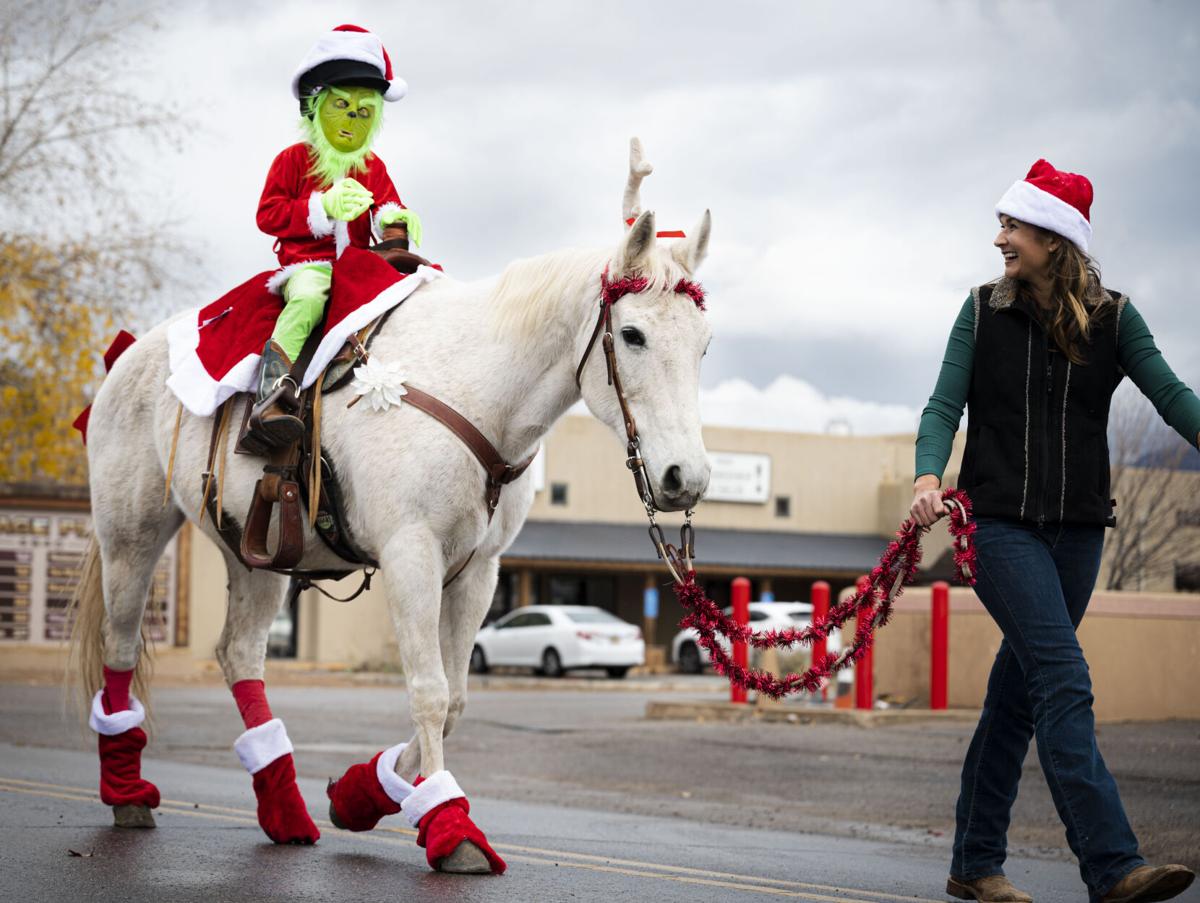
(573, 790)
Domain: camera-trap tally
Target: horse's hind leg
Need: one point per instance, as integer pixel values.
(264, 748)
(131, 528)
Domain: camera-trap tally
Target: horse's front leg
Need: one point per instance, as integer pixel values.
(412, 566)
(465, 604)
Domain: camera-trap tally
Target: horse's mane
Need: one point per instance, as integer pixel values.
(534, 292)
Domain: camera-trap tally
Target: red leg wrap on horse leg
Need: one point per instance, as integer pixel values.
(444, 828)
(281, 810)
(120, 751)
(251, 699)
(359, 799)
(121, 781)
(116, 689)
(266, 752)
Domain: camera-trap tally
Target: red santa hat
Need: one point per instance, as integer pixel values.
(1053, 199)
(358, 55)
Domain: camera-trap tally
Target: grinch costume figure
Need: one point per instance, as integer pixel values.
(322, 195)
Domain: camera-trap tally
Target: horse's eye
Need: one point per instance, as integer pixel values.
(633, 337)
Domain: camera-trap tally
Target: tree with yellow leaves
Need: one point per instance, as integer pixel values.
(86, 258)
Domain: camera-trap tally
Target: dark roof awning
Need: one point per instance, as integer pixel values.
(611, 545)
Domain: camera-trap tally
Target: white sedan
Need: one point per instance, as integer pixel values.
(553, 639)
(691, 657)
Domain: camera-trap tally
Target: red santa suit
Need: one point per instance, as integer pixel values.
(290, 209)
(214, 352)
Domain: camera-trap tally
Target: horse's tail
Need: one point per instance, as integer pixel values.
(88, 622)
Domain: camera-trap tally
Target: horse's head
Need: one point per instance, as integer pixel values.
(659, 336)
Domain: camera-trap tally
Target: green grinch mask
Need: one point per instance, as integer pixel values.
(347, 117)
(339, 131)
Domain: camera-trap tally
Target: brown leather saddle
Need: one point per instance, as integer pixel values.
(302, 479)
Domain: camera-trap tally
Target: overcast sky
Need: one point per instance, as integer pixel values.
(851, 154)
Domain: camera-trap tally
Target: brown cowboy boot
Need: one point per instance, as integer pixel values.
(273, 422)
(1148, 883)
(992, 889)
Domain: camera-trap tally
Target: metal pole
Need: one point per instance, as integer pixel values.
(939, 645)
(820, 611)
(864, 676)
(740, 596)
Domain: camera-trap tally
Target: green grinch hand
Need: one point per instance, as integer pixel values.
(346, 200)
(410, 219)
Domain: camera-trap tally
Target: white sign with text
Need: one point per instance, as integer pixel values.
(739, 477)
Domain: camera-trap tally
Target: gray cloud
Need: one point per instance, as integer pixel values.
(851, 153)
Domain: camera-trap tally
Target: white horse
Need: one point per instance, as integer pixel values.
(503, 352)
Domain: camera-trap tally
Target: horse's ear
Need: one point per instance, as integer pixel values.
(636, 246)
(690, 252)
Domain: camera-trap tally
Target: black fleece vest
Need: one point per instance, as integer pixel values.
(1037, 443)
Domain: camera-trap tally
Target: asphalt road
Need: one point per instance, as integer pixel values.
(584, 799)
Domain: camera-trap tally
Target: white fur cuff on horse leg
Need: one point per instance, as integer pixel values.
(436, 789)
(117, 722)
(260, 746)
(397, 789)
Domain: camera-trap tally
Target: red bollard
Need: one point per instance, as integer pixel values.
(864, 675)
(939, 646)
(741, 613)
(820, 611)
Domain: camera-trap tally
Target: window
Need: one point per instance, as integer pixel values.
(1187, 517)
(521, 620)
(593, 616)
(783, 506)
(558, 493)
(1187, 578)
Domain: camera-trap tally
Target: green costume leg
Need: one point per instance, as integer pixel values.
(305, 295)
(273, 422)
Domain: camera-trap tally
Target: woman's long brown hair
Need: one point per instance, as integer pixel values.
(1076, 299)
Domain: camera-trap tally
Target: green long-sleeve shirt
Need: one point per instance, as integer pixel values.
(1137, 355)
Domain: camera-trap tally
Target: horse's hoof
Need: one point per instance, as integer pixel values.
(333, 816)
(467, 859)
(133, 817)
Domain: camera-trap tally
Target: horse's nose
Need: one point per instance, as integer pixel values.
(672, 480)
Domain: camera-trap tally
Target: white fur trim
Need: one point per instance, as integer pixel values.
(260, 746)
(319, 222)
(397, 789)
(117, 722)
(436, 789)
(362, 46)
(376, 228)
(341, 237)
(280, 277)
(202, 395)
(356, 320)
(1030, 204)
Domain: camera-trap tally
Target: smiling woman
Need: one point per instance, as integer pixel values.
(1037, 355)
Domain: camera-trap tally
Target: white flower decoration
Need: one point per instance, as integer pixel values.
(382, 384)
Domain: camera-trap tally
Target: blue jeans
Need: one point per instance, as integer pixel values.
(1036, 583)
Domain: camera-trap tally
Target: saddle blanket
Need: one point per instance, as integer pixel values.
(214, 351)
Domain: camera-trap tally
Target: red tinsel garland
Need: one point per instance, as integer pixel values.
(870, 605)
(612, 291)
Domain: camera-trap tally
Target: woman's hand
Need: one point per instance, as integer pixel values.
(927, 506)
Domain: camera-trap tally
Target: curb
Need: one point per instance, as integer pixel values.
(774, 713)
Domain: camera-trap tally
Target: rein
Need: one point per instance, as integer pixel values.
(871, 604)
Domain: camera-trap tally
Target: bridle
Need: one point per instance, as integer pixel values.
(871, 605)
(678, 560)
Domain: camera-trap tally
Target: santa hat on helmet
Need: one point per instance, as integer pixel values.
(348, 55)
(1053, 199)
